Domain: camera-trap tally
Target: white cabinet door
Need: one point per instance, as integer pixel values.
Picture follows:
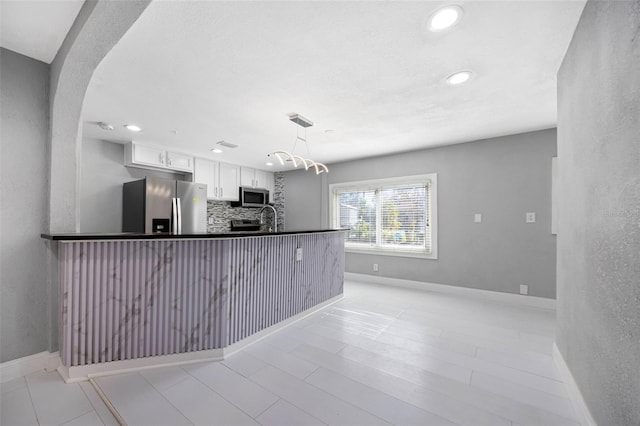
(228, 182)
(260, 180)
(206, 171)
(264, 180)
(247, 177)
(178, 161)
(147, 155)
(255, 178)
(270, 185)
(151, 157)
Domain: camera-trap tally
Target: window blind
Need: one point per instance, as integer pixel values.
(387, 217)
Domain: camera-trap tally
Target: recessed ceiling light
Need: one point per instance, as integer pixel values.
(459, 78)
(216, 151)
(268, 164)
(133, 127)
(105, 126)
(444, 18)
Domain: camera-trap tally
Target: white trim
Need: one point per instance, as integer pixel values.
(390, 252)
(20, 367)
(82, 373)
(517, 299)
(579, 404)
(85, 372)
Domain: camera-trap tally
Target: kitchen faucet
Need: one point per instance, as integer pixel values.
(275, 217)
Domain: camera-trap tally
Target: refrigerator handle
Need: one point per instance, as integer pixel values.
(179, 217)
(176, 216)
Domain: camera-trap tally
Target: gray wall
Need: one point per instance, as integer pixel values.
(24, 96)
(599, 233)
(303, 200)
(101, 177)
(502, 178)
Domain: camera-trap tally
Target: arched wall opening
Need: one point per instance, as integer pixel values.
(97, 29)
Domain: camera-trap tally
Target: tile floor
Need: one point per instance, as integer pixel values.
(379, 356)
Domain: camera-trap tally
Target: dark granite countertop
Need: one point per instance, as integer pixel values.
(169, 236)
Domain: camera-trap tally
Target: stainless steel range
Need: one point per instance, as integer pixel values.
(245, 225)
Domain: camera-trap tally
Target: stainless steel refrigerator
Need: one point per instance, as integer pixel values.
(153, 205)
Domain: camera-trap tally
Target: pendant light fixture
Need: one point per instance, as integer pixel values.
(297, 160)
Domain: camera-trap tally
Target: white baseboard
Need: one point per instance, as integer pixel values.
(254, 338)
(86, 372)
(496, 296)
(579, 404)
(20, 367)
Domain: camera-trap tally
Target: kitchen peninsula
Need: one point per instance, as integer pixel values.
(139, 300)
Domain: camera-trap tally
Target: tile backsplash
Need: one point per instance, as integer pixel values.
(222, 212)
(278, 199)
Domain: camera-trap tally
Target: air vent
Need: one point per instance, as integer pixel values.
(300, 120)
(227, 144)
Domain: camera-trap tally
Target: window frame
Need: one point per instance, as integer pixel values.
(373, 184)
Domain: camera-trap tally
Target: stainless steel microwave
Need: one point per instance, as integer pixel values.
(252, 197)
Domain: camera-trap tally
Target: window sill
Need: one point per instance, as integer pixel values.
(396, 253)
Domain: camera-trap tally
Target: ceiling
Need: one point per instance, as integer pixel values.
(36, 28)
(369, 74)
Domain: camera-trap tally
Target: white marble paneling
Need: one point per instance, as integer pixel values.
(129, 299)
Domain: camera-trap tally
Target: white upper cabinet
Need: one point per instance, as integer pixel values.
(152, 157)
(222, 179)
(255, 178)
(271, 185)
(266, 180)
(261, 179)
(228, 182)
(144, 155)
(247, 177)
(178, 161)
(205, 172)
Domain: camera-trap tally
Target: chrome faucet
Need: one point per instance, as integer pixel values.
(275, 217)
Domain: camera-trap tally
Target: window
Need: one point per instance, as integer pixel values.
(388, 216)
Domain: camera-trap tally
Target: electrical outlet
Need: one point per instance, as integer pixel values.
(524, 289)
(298, 254)
(530, 217)
(210, 221)
(375, 267)
(477, 218)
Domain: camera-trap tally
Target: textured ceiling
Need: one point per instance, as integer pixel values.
(36, 28)
(369, 75)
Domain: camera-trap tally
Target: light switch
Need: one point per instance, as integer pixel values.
(477, 218)
(530, 217)
(298, 254)
(210, 221)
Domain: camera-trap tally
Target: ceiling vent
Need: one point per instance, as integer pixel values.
(227, 144)
(300, 120)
